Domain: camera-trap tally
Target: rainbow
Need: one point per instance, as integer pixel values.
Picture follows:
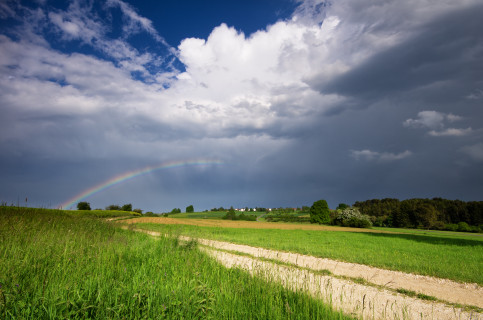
(132, 174)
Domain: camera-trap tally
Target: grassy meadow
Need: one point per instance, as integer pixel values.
(71, 265)
(445, 255)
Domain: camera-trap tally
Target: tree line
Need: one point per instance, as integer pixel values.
(436, 213)
(83, 205)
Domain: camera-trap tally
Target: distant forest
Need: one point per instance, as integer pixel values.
(436, 213)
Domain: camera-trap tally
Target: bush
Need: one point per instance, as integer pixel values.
(380, 221)
(451, 227)
(351, 217)
(438, 225)
(475, 229)
(231, 215)
(287, 217)
(463, 227)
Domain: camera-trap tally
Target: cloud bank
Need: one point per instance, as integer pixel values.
(297, 108)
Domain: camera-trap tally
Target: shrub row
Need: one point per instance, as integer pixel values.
(286, 218)
(231, 215)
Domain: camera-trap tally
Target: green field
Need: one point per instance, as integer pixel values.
(208, 215)
(71, 265)
(438, 233)
(446, 255)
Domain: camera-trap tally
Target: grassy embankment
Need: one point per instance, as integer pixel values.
(452, 256)
(68, 265)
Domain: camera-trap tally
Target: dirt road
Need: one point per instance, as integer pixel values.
(375, 298)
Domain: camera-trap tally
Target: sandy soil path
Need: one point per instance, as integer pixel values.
(363, 301)
(447, 290)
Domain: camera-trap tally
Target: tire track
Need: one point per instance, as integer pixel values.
(360, 300)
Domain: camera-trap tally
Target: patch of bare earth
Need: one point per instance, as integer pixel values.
(443, 289)
(362, 301)
(365, 301)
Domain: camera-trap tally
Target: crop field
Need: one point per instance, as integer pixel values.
(243, 224)
(73, 265)
(443, 255)
(211, 215)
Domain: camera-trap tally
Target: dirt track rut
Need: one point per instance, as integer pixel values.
(361, 300)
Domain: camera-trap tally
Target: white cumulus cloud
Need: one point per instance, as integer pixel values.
(437, 121)
(428, 119)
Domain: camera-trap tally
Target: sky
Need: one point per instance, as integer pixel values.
(267, 103)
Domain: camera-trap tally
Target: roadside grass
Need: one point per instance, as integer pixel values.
(414, 294)
(55, 264)
(453, 257)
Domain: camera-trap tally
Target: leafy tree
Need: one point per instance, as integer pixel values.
(176, 210)
(83, 206)
(190, 208)
(342, 206)
(319, 212)
(402, 218)
(351, 217)
(127, 207)
(114, 207)
(138, 210)
(230, 215)
(425, 215)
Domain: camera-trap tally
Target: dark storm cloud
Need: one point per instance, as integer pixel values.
(447, 49)
(404, 121)
(435, 70)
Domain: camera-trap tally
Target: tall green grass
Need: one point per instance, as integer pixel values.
(451, 257)
(56, 265)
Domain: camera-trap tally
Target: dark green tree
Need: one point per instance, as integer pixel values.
(83, 206)
(402, 217)
(190, 208)
(114, 207)
(127, 207)
(425, 215)
(342, 206)
(230, 215)
(319, 212)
